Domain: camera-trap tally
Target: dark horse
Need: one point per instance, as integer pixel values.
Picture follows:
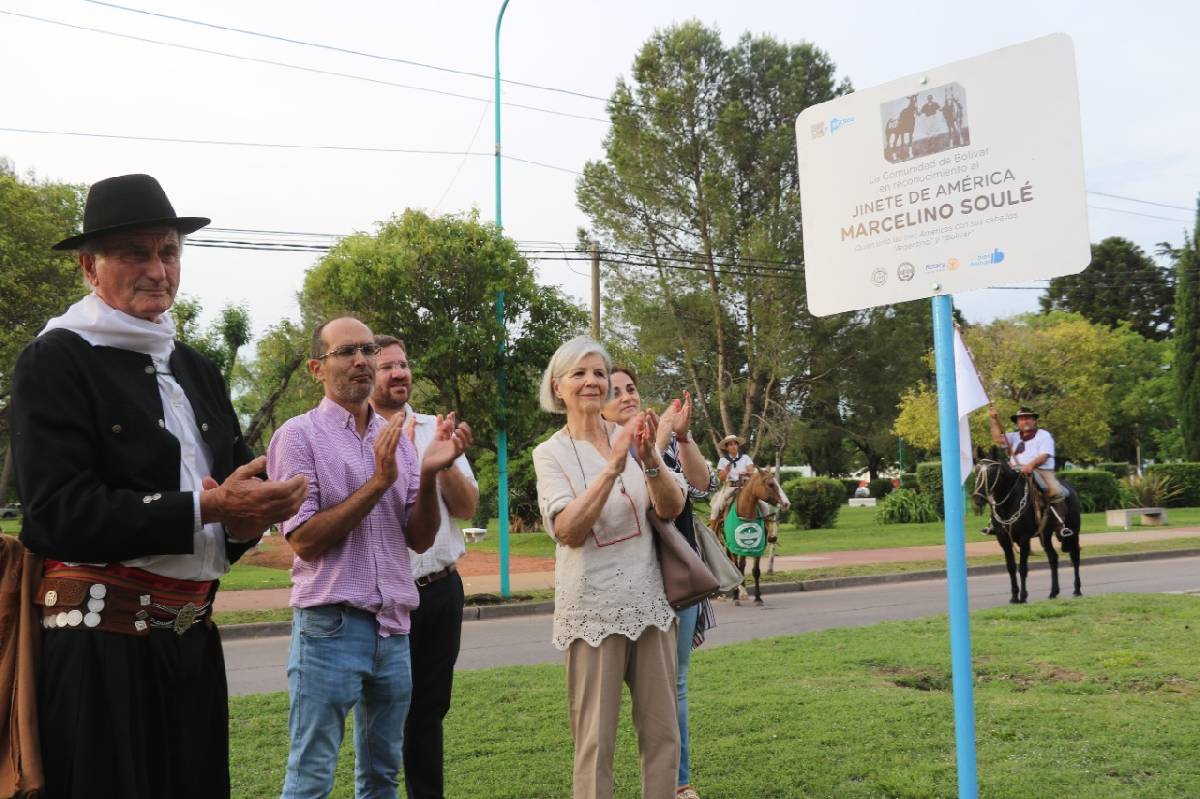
(1011, 498)
(761, 486)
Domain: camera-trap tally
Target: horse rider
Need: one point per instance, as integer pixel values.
(1031, 451)
(733, 468)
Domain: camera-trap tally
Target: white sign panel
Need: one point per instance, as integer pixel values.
(961, 177)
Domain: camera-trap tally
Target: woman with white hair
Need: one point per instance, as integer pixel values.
(597, 481)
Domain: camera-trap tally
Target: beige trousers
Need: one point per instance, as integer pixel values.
(1050, 481)
(594, 678)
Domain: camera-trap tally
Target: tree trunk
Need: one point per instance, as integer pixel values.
(689, 360)
(264, 414)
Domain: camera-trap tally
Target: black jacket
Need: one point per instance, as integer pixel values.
(97, 471)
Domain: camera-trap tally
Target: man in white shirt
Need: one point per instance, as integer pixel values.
(1032, 452)
(436, 630)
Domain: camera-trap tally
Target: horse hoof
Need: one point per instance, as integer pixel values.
(1014, 601)
(737, 603)
(1078, 592)
(1053, 595)
(758, 602)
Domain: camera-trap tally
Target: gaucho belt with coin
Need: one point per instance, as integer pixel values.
(121, 599)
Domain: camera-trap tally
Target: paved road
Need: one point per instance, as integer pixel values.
(258, 665)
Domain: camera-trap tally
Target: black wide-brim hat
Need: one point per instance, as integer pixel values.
(125, 203)
(1024, 411)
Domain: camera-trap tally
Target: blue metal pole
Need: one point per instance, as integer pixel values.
(501, 376)
(956, 551)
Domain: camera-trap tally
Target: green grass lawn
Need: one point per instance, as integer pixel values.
(855, 529)
(243, 576)
(1093, 698)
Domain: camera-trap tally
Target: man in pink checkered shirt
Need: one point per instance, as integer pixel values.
(368, 502)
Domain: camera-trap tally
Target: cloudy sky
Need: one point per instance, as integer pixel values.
(333, 166)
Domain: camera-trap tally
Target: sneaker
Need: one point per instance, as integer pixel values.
(686, 792)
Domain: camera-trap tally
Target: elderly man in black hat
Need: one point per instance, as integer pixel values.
(139, 492)
(1032, 451)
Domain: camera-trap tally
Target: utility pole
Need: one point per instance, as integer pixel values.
(501, 377)
(595, 291)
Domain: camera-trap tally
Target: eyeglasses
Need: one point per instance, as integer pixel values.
(347, 351)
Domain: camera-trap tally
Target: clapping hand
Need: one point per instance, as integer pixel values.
(644, 442)
(386, 470)
(246, 504)
(450, 439)
(676, 418)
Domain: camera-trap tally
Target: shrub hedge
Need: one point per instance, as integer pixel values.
(880, 487)
(816, 501)
(909, 480)
(1184, 475)
(1098, 490)
(1118, 469)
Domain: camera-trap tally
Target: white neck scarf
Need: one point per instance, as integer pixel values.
(101, 325)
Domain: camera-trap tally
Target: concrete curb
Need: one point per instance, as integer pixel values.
(234, 632)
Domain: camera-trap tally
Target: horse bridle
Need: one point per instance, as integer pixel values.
(986, 489)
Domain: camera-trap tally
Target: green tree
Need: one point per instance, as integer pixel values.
(431, 280)
(274, 386)
(1059, 363)
(887, 356)
(1122, 284)
(220, 343)
(1187, 340)
(36, 283)
(699, 186)
(1141, 400)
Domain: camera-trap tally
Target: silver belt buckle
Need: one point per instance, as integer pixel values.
(185, 618)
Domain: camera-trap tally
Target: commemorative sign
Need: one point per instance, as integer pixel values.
(961, 177)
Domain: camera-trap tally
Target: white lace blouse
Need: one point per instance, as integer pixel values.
(610, 589)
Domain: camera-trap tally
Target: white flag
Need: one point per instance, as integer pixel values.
(971, 395)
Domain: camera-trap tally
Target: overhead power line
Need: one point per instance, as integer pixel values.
(421, 151)
(1136, 213)
(1136, 200)
(300, 67)
(349, 51)
(224, 143)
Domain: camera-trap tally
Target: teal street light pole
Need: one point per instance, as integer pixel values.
(501, 377)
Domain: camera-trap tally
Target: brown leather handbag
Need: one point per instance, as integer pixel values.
(20, 649)
(686, 580)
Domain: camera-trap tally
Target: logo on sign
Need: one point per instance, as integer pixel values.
(879, 276)
(938, 267)
(906, 271)
(818, 130)
(837, 123)
(989, 258)
(748, 535)
(952, 264)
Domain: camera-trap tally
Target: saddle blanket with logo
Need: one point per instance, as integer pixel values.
(743, 537)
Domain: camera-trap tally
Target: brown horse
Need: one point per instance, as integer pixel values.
(761, 486)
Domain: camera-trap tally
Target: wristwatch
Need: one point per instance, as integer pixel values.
(652, 471)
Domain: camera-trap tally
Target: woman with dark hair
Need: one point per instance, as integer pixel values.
(682, 456)
(596, 482)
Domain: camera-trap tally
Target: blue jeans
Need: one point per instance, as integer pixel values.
(337, 662)
(683, 640)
